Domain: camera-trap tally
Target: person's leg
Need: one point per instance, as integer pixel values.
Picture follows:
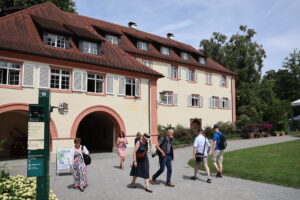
(120, 162)
(169, 168)
(133, 181)
(220, 162)
(147, 185)
(196, 168)
(215, 156)
(123, 159)
(162, 164)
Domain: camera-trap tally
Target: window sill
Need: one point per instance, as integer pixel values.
(17, 87)
(174, 79)
(223, 86)
(210, 84)
(194, 82)
(96, 94)
(194, 106)
(60, 91)
(167, 105)
(131, 97)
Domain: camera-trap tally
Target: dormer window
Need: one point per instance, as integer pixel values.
(184, 55)
(142, 45)
(112, 39)
(202, 60)
(54, 40)
(88, 47)
(165, 51)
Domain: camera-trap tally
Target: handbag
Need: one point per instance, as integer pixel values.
(141, 155)
(200, 156)
(86, 158)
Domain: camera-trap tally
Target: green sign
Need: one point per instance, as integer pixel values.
(35, 167)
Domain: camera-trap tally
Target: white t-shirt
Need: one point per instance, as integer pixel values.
(199, 144)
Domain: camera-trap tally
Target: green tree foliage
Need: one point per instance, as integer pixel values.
(66, 5)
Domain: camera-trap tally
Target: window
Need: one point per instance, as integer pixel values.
(195, 100)
(60, 79)
(167, 98)
(191, 75)
(112, 39)
(223, 81)
(202, 60)
(174, 72)
(142, 45)
(165, 51)
(89, 47)
(130, 87)
(95, 83)
(148, 63)
(208, 78)
(215, 102)
(58, 41)
(184, 55)
(9, 73)
(225, 103)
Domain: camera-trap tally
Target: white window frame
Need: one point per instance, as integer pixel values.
(174, 72)
(89, 47)
(9, 66)
(165, 50)
(195, 97)
(142, 45)
(184, 55)
(202, 60)
(208, 78)
(55, 40)
(148, 63)
(112, 39)
(215, 102)
(225, 103)
(167, 98)
(191, 75)
(60, 75)
(223, 82)
(132, 84)
(96, 79)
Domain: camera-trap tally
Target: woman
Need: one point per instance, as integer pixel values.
(77, 165)
(140, 167)
(137, 138)
(122, 145)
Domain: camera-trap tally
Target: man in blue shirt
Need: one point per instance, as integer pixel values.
(216, 152)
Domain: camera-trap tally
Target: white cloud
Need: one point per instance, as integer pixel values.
(175, 26)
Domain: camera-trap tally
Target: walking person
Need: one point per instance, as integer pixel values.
(201, 149)
(122, 145)
(166, 155)
(140, 167)
(137, 138)
(78, 166)
(217, 152)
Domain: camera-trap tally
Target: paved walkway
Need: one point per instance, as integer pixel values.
(108, 182)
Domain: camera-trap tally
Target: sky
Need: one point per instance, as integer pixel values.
(277, 22)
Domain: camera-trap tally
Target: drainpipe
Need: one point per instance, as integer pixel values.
(149, 106)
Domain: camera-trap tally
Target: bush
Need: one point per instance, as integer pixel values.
(208, 131)
(243, 121)
(227, 128)
(19, 187)
(182, 135)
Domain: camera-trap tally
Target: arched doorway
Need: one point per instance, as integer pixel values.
(97, 127)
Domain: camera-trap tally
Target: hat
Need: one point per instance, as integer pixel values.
(146, 136)
(200, 130)
(216, 126)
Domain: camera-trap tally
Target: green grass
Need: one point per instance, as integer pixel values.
(276, 163)
(294, 133)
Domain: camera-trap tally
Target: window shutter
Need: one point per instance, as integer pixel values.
(210, 102)
(187, 74)
(109, 84)
(44, 81)
(220, 80)
(77, 80)
(169, 71)
(227, 81)
(175, 99)
(196, 76)
(158, 98)
(220, 102)
(68, 42)
(179, 73)
(98, 48)
(122, 85)
(189, 100)
(28, 75)
(81, 45)
(45, 35)
(201, 101)
(137, 87)
(229, 103)
(84, 81)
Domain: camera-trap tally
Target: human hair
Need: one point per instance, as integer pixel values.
(121, 134)
(138, 135)
(77, 140)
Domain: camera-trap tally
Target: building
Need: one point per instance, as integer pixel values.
(113, 78)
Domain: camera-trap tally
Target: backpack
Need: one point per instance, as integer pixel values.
(223, 143)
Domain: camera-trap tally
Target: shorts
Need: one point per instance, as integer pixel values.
(218, 156)
(204, 161)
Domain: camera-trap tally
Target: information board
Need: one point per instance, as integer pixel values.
(36, 135)
(35, 167)
(62, 159)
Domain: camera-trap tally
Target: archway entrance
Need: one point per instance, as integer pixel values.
(13, 134)
(97, 131)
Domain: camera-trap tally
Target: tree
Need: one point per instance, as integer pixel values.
(66, 5)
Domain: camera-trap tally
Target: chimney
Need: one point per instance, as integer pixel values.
(132, 25)
(170, 36)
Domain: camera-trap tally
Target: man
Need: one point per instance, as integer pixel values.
(217, 152)
(201, 148)
(165, 153)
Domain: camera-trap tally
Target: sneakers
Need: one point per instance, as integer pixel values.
(219, 175)
(208, 180)
(169, 185)
(194, 178)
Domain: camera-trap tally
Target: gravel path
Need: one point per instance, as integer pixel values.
(108, 182)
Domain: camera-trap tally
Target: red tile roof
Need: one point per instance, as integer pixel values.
(19, 33)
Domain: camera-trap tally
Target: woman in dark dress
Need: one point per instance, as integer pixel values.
(137, 138)
(140, 167)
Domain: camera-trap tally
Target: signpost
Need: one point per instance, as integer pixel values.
(38, 144)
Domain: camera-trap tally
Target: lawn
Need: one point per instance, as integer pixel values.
(276, 163)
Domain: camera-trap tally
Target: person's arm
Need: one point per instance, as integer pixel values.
(214, 146)
(137, 145)
(194, 153)
(71, 158)
(118, 141)
(126, 141)
(85, 150)
(159, 149)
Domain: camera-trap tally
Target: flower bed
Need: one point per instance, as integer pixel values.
(19, 188)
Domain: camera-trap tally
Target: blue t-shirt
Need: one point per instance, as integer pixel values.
(216, 137)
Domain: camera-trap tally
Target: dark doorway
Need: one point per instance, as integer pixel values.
(96, 131)
(195, 124)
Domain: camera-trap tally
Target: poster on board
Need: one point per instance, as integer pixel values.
(62, 160)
